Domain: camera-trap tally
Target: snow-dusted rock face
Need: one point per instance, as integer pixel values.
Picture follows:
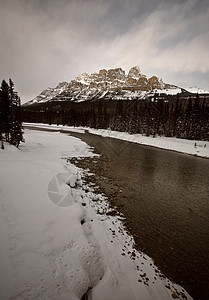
(134, 72)
(106, 84)
(116, 78)
(83, 78)
(49, 93)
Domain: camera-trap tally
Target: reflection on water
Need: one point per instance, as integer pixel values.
(173, 216)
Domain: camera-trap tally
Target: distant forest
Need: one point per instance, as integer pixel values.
(151, 117)
(10, 115)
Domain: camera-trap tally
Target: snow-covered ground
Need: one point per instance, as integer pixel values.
(196, 90)
(194, 147)
(57, 242)
(199, 148)
(171, 91)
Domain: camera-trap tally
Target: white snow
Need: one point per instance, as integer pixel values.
(53, 243)
(173, 91)
(49, 93)
(196, 90)
(82, 82)
(103, 94)
(193, 147)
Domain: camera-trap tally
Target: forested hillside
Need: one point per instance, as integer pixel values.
(174, 116)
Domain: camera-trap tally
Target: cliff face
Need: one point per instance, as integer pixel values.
(106, 84)
(116, 78)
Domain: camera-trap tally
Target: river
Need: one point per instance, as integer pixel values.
(164, 196)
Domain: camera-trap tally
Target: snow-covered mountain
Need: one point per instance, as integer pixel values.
(49, 93)
(111, 84)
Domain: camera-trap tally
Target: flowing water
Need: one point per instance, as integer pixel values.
(164, 196)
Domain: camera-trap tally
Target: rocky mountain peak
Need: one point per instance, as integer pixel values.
(156, 83)
(117, 73)
(134, 72)
(83, 78)
(106, 84)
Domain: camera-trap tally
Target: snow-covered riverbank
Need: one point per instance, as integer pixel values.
(57, 242)
(198, 148)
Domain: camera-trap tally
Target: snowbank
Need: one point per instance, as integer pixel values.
(54, 127)
(194, 147)
(199, 148)
(57, 242)
(45, 252)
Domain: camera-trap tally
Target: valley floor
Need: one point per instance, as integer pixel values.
(58, 240)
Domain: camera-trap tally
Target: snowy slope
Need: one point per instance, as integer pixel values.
(48, 94)
(53, 243)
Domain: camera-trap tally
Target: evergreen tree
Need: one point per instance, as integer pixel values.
(5, 109)
(187, 119)
(10, 115)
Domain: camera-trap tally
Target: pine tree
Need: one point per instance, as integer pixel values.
(17, 131)
(188, 119)
(175, 116)
(16, 124)
(1, 121)
(5, 110)
(10, 115)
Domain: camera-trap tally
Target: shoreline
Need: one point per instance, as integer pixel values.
(154, 209)
(183, 146)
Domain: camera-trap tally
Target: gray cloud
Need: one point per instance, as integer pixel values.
(44, 42)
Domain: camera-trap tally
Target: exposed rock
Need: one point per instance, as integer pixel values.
(83, 78)
(106, 84)
(156, 83)
(103, 72)
(134, 72)
(116, 78)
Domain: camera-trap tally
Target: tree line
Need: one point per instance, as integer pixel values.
(10, 115)
(181, 118)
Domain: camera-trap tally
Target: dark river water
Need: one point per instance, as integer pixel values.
(165, 199)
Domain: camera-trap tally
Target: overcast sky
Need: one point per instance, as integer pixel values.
(44, 42)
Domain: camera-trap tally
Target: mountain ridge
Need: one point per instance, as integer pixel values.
(112, 84)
